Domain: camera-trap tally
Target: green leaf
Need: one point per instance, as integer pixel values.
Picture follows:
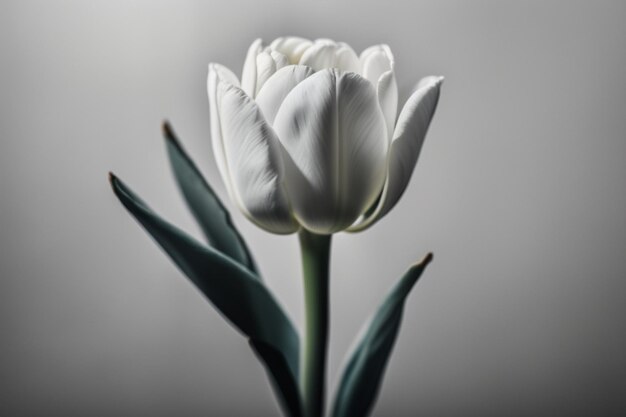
(363, 373)
(235, 292)
(284, 382)
(206, 207)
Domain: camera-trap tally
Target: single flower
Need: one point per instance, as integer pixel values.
(309, 137)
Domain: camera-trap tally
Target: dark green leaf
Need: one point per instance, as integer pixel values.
(283, 381)
(364, 371)
(234, 291)
(206, 207)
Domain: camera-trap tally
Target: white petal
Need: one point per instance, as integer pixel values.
(291, 46)
(224, 74)
(253, 160)
(334, 135)
(409, 136)
(320, 56)
(346, 59)
(327, 54)
(378, 66)
(219, 73)
(265, 68)
(268, 62)
(278, 86)
(325, 40)
(280, 59)
(249, 74)
(387, 92)
(407, 143)
(375, 61)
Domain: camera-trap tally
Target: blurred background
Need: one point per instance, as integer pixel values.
(520, 192)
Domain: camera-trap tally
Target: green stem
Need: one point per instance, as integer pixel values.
(315, 267)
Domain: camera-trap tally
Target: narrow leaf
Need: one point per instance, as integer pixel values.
(364, 371)
(234, 291)
(284, 382)
(206, 207)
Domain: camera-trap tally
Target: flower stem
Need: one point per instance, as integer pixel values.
(315, 267)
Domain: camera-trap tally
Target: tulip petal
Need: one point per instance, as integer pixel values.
(387, 92)
(280, 59)
(346, 59)
(320, 56)
(377, 65)
(291, 46)
(375, 61)
(219, 73)
(278, 86)
(409, 136)
(406, 145)
(334, 135)
(327, 54)
(267, 63)
(253, 161)
(249, 74)
(265, 67)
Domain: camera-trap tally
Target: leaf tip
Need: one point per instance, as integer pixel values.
(424, 262)
(116, 185)
(427, 259)
(112, 178)
(167, 130)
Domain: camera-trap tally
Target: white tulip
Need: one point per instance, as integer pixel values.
(309, 138)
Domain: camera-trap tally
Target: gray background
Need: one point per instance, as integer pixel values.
(520, 193)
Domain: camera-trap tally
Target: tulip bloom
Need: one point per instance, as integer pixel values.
(308, 141)
(310, 138)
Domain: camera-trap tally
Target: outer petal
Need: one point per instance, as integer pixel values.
(291, 46)
(278, 86)
(249, 74)
(334, 135)
(219, 73)
(407, 143)
(253, 161)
